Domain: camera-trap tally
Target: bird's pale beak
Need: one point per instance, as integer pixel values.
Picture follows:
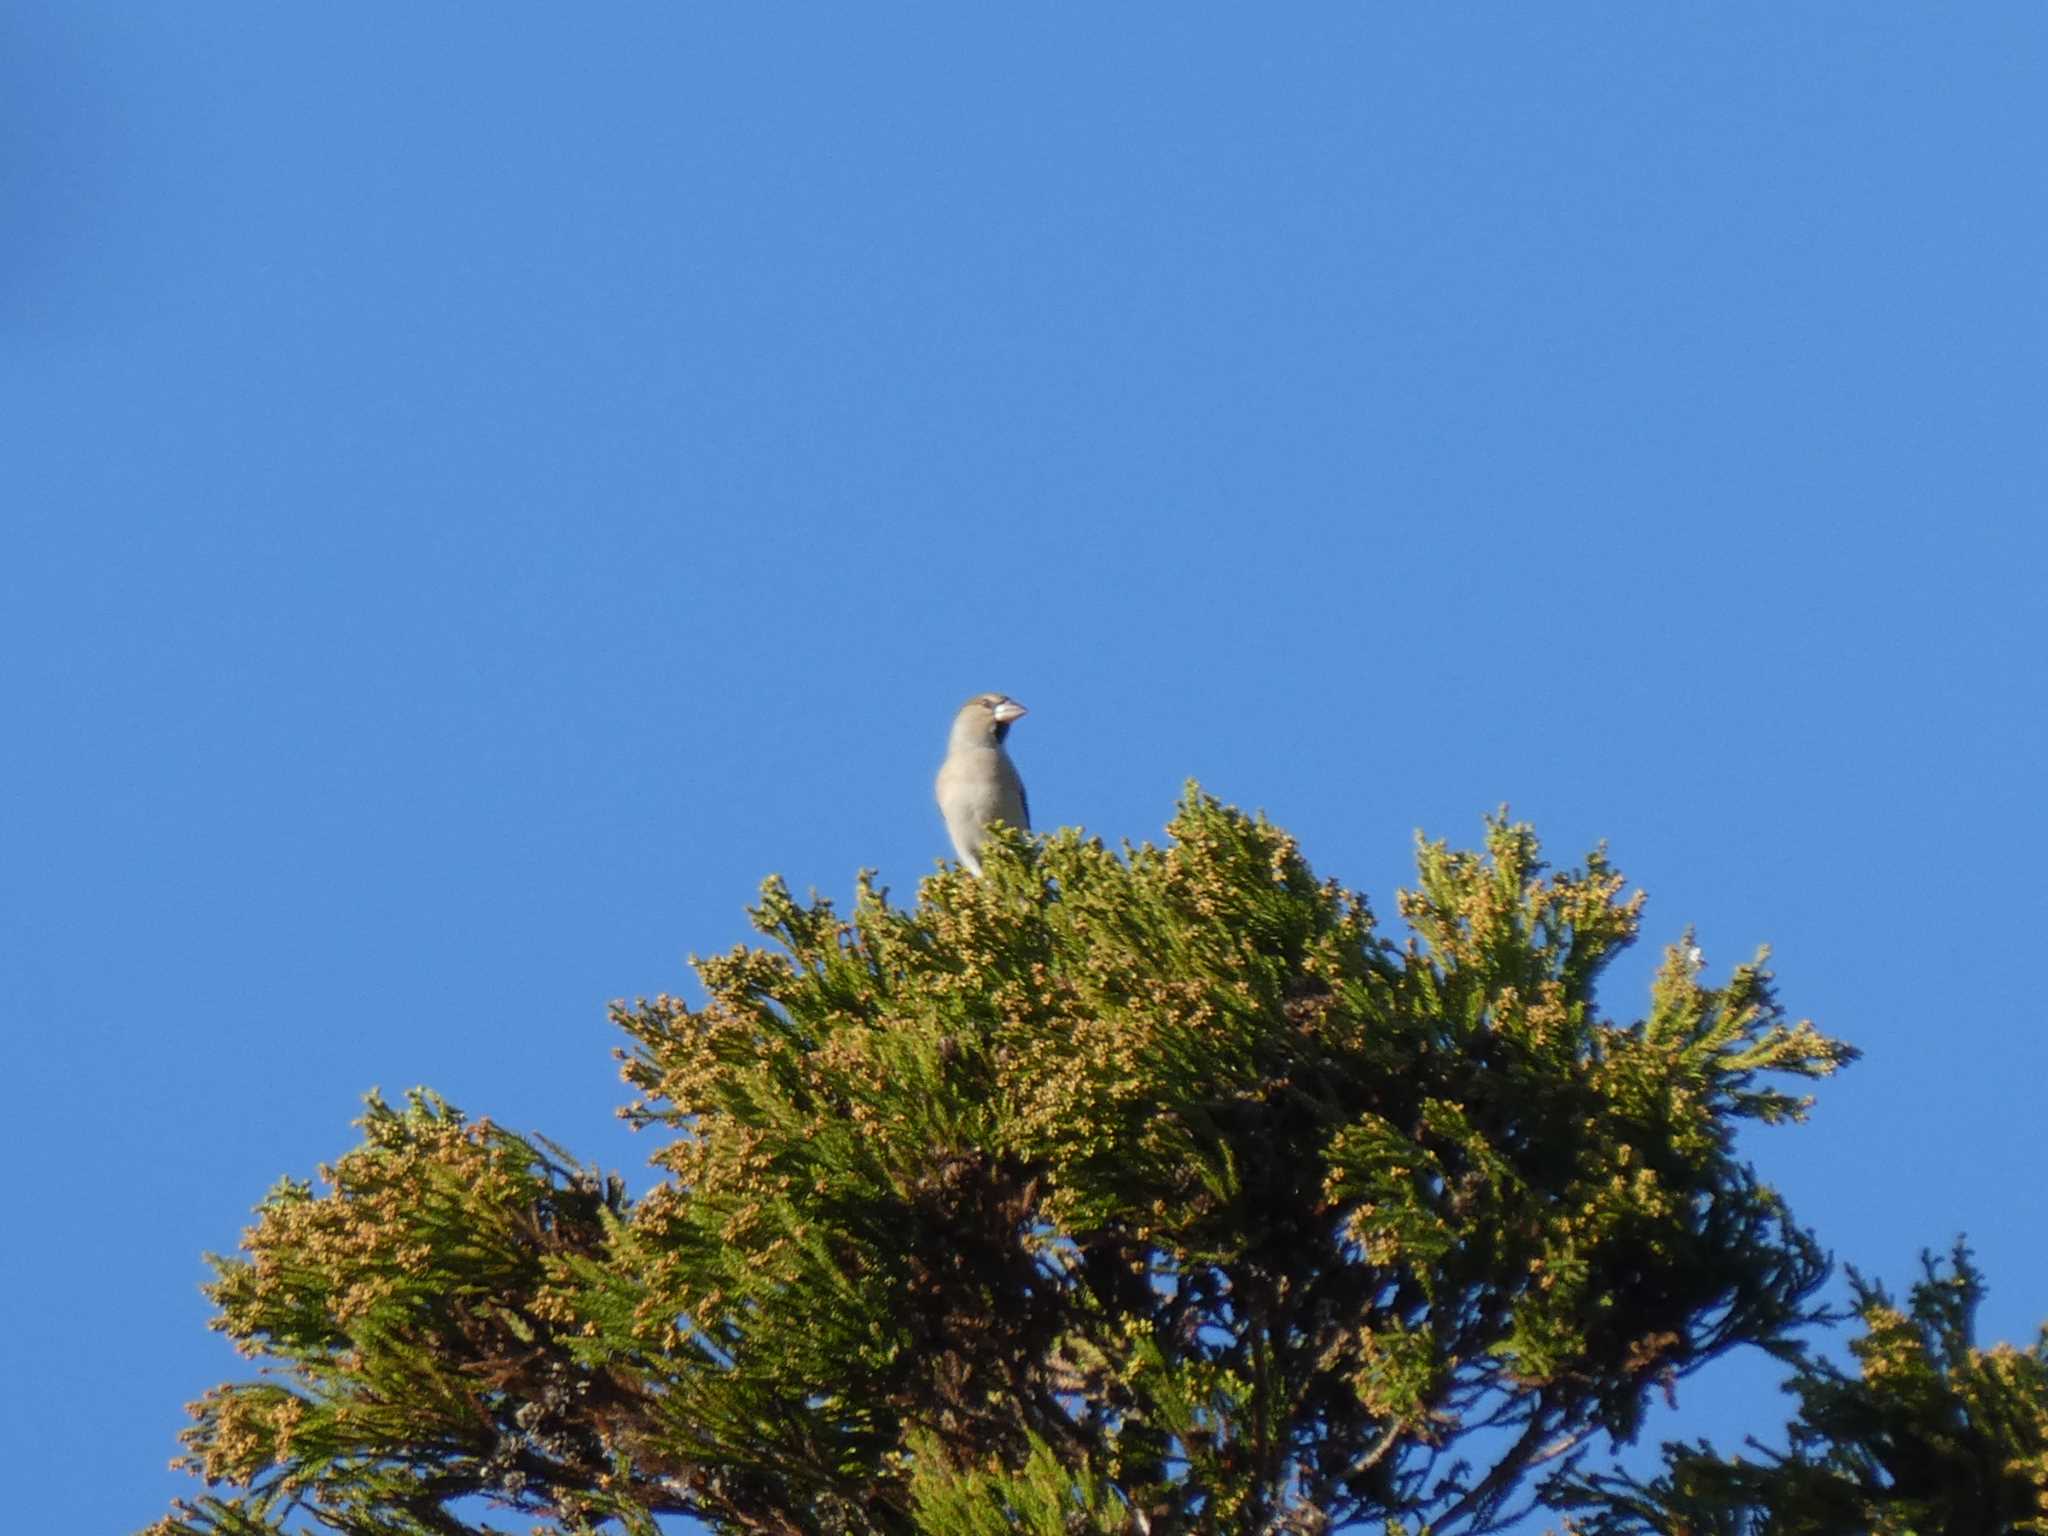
(1007, 711)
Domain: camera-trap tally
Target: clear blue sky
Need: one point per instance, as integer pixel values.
(483, 485)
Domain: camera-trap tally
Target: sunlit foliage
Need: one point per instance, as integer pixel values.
(1151, 1191)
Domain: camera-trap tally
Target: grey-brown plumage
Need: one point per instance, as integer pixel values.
(978, 783)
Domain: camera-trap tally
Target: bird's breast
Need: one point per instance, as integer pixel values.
(982, 786)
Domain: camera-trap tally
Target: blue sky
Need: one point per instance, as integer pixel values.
(485, 485)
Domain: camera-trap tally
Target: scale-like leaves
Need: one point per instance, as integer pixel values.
(1148, 1190)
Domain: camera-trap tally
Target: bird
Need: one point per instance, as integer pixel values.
(978, 783)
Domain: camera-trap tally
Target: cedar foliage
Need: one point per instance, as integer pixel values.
(1930, 1436)
(1155, 1192)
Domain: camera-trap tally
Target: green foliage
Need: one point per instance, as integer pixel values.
(416, 1317)
(1930, 1437)
(1154, 1192)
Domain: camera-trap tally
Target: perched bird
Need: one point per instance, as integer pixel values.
(978, 783)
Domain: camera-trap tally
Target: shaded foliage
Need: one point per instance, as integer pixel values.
(1148, 1192)
(1930, 1436)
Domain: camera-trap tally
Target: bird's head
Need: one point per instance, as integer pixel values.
(987, 717)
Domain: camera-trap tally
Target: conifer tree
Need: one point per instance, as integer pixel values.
(1931, 1436)
(1152, 1192)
